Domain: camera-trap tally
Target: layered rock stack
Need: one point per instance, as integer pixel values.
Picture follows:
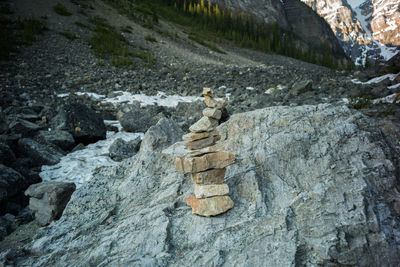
(207, 165)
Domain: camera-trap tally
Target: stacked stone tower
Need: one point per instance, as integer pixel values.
(206, 165)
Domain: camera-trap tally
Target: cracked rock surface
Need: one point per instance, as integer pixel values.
(306, 186)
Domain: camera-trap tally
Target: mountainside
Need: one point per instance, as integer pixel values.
(368, 31)
(294, 16)
(385, 23)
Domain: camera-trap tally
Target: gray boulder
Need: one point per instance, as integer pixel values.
(165, 133)
(7, 225)
(137, 120)
(42, 154)
(11, 184)
(312, 186)
(85, 125)
(3, 123)
(48, 200)
(301, 87)
(121, 149)
(24, 127)
(62, 139)
(7, 156)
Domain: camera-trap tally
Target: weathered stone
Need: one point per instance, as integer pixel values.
(84, 123)
(210, 206)
(213, 176)
(62, 139)
(302, 87)
(215, 160)
(201, 152)
(11, 185)
(26, 128)
(48, 200)
(212, 113)
(43, 154)
(210, 190)
(121, 149)
(205, 124)
(7, 156)
(202, 143)
(208, 92)
(165, 133)
(197, 136)
(315, 183)
(214, 103)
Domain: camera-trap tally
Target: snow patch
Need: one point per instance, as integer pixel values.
(394, 86)
(387, 99)
(377, 79)
(78, 166)
(161, 99)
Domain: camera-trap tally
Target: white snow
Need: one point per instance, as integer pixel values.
(377, 79)
(386, 99)
(250, 88)
(63, 95)
(161, 99)
(346, 100)
(93, 96)
(78, 166)
(271, 90)
(386, 52)
(394, 86)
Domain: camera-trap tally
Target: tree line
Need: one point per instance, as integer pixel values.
(240, 28)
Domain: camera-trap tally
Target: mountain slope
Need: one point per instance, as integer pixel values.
(294, 16)
(368, 31)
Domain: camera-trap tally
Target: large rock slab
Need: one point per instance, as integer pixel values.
(217, 160)
(312, 186)
(212, 206)
(85, 125)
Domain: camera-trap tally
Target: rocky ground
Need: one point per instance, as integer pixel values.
(31, 82)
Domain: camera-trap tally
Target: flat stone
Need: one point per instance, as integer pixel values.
(212, 113)
(205, 124)
(213, 176)
(210, 206)
(197, 136)
(217, 160)
(210, 190)
(208, 92)
(202, 143)
(214, 103)
(201, 152)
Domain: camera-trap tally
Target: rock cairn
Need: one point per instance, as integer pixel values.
(207, 165)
